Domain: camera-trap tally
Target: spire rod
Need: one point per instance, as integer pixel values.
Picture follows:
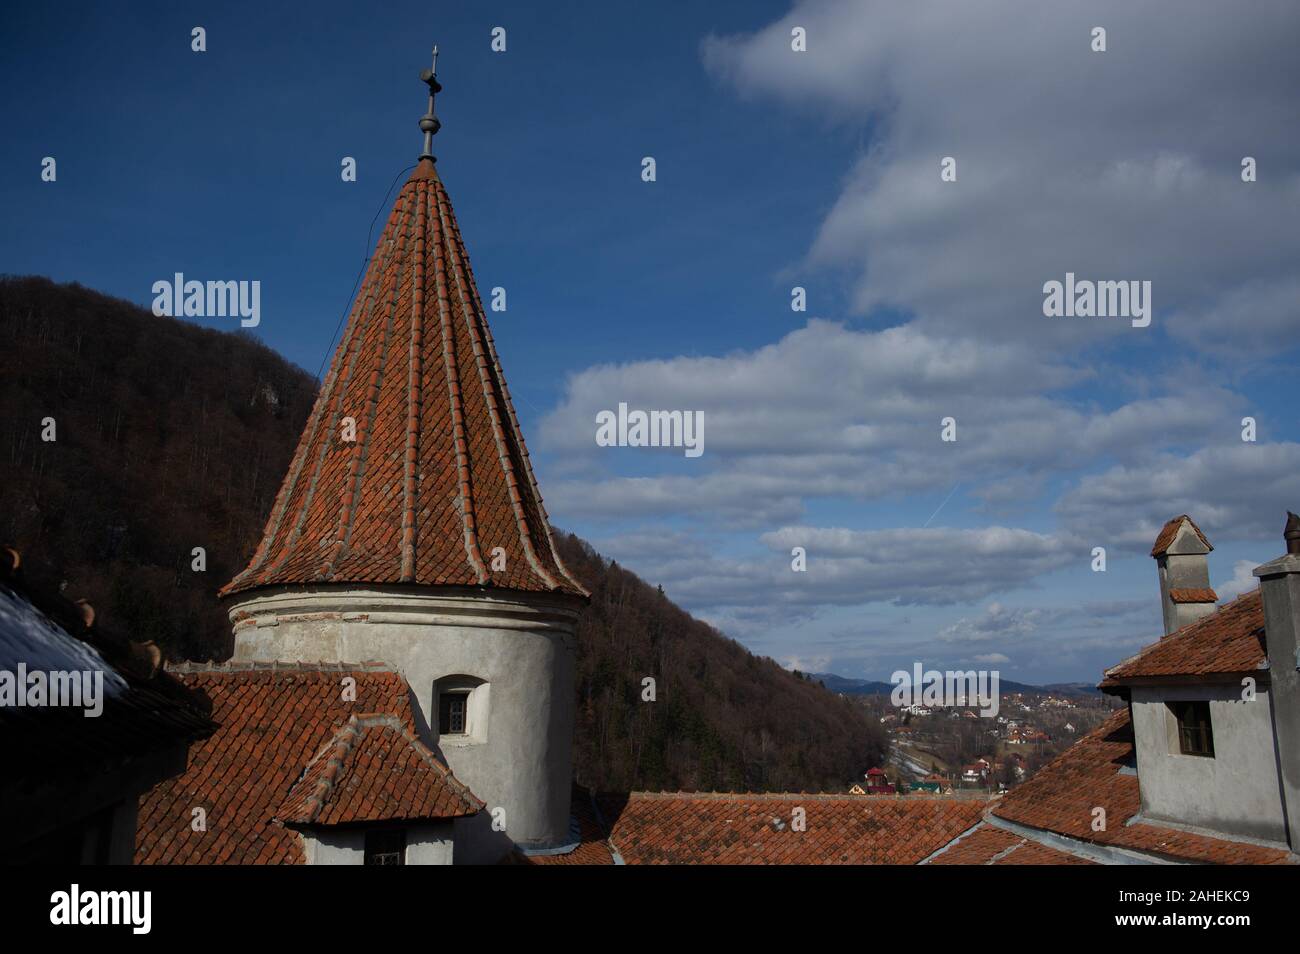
(429, 123)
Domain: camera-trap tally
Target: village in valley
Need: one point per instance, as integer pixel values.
(954, 751)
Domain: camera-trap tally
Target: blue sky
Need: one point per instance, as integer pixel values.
(775, 168)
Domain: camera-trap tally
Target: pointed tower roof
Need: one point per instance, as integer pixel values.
(437, 477)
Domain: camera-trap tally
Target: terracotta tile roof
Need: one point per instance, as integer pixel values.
(979, 847)
(686, 828)
(1193, 595)
(1062, 796)
(274, 717)
(373, 769)
(438, 476)
(1031, 853)
(989, 845)
(1229, 640)
(1165, 538)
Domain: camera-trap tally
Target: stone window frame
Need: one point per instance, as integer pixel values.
(1174, 728)
(477, 692)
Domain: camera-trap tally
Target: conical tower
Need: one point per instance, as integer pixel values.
(410, 529)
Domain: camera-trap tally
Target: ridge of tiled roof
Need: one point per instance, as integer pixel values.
(1193, 594)
(717, 828)
(272, 721)
(990, 845)
(1165, 538)
(373, 769)
(278, 665)
(1229, 640)
(782, 796)
(438, 476)
(1090, 774)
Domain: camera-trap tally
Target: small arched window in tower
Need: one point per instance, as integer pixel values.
(461, 703)
(451, 712)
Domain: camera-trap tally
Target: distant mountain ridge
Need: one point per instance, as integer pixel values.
(868, 687)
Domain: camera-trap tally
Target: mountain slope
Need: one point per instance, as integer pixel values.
(170, 436)
(723, 719)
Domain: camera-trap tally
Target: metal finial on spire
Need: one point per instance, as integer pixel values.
(429, 123)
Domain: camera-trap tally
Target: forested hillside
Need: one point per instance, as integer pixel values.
(723, 720)
(169, 436)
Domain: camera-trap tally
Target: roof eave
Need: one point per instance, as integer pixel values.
(1115, 685)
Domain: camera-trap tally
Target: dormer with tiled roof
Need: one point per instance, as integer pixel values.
(1059, 807)
(1213, 702)
(373, 776)
(307, 760)
(1202, 765)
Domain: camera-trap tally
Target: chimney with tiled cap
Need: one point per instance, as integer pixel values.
(1279, 584)
(410, 528)
(1180, 554)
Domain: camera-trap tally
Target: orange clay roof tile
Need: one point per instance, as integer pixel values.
(1229, 640)
(1063, 797)
(412, 467)
(988, 845)
(1169, 531)
(272, 721)
(698, 828)
(373, 769)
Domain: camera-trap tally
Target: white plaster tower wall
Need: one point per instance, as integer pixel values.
(516, 655)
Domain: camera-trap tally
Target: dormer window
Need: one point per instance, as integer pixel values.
(385, 846)
(1195, 731)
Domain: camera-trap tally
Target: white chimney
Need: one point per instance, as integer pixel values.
(1185, 593)
(1279, 585)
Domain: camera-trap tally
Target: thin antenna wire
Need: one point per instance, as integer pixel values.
(365, 261)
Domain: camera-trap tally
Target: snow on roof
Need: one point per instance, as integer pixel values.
(30, 637)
